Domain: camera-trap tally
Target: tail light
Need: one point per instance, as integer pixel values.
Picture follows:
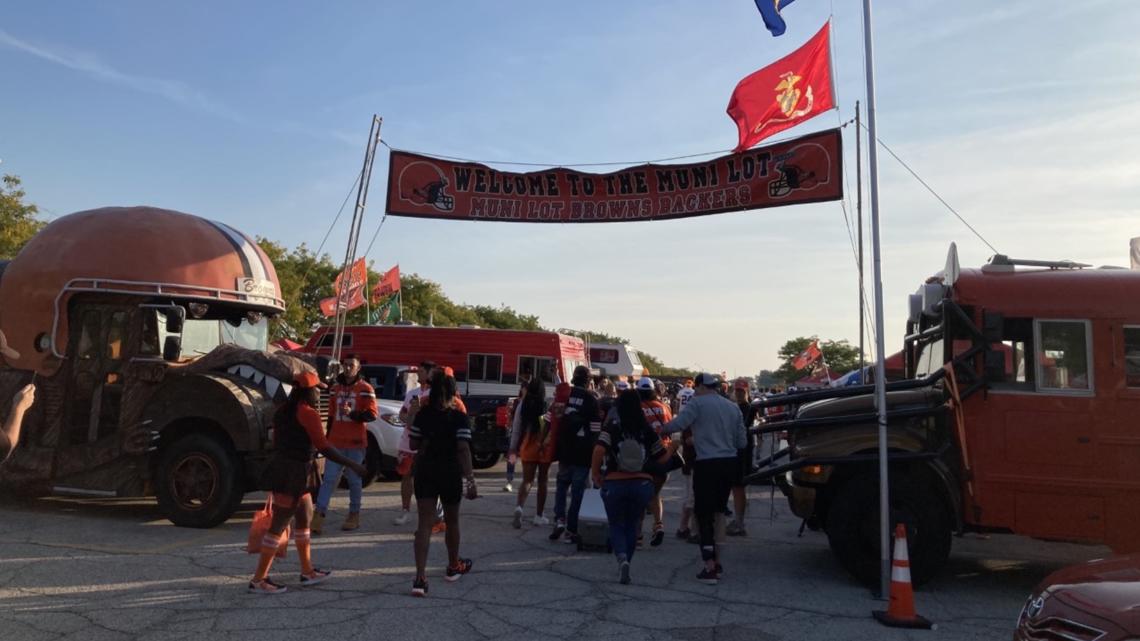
(502, 416)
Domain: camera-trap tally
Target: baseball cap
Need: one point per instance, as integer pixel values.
(707, 380)
(305, 380)
(645, 383)
(622, 385)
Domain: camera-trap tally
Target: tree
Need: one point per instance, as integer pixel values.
(18, 222)
(767, 378)
(840, 357)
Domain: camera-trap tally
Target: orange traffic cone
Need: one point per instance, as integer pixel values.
(900, 611)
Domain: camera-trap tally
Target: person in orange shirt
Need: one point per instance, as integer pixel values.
(352, 404)
(657, 414)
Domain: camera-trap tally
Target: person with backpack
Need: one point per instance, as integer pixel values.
(718, 435)
(657, 414)
(578, 429)
(626, 445)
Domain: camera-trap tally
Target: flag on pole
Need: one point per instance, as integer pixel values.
(770, 11)
(387, 311)
(1134, 252)
(389, 284)
(808, 356)
(782, 95)
(349, 288)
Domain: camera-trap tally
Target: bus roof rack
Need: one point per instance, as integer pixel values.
(1001, 262)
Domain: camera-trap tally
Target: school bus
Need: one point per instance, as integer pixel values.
(1019, 414)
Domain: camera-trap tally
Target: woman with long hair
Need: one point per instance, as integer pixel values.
(441, 436)
(297, 436)
(535, 446)
(626, 444)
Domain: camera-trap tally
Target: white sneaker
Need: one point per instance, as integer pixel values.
(516, 522)
(540, 520)
(403, 519)
(507, 487)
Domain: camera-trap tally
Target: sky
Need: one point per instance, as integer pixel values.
(1020, 114)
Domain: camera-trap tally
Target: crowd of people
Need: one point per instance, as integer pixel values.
(623, 440)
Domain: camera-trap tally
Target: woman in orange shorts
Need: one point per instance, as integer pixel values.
(533, 440)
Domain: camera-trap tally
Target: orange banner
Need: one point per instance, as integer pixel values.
(804, 170)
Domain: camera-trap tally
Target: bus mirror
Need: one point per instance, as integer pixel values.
(175, 317)
(995, 365)
(992, 323)
(172, 348)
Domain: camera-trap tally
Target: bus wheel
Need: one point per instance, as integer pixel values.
(484, 460)
(198, 483)
(853, 526)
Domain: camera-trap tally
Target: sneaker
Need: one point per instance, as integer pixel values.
(316, 524)
(516, 522)
(419, 586)
(316, 576)
(623, 573)
(456, 571)
(403, 519)
(708, 577)
(507, 487)
(265, 586)
(438, 527)
(719, 571)
(571, 538)
(640, 541)
(658, 536)
(540, 520)
(684, 534)
(559, 528)
(735, 529)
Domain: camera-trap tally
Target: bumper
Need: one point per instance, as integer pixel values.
(800, 498)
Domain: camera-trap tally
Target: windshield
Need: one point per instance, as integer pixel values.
(202, 335)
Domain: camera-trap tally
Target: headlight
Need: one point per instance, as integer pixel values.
(394, 419)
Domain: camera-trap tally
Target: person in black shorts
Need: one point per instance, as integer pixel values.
(743, 400)
(441, 436)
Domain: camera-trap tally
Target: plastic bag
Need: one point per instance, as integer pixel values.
(262, 520)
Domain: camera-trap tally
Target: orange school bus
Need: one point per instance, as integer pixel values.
(1021, 413)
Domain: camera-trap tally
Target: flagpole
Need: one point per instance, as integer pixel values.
(880, 367)
(859, 226)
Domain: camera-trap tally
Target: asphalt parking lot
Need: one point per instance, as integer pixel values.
(109, 570)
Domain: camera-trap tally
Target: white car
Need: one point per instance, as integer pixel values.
(383, 441)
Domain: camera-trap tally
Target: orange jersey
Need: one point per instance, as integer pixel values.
(657, 414)
(350, 408)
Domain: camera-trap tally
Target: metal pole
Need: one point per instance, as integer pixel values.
(354, 234)
(859, 225)
(880, 367)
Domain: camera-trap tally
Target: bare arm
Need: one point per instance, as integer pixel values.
(596, 464)
(12, 424)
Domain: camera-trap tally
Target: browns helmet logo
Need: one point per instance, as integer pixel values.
(423, 183)
(803, 168)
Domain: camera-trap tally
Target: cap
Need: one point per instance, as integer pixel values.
(305, 380)
(447, 371)
(707, 380)
(741, 383)
(645, 383)
(622, 385)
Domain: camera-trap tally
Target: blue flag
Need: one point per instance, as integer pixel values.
(770, 10)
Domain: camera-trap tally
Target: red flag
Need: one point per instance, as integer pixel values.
(389, 284)
(785, 93)
(351, 293)
(808, 356)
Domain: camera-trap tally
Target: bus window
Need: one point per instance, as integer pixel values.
(1132, 356)
(1064, 361)
(530, 365)
(1016, 348)
(485, 367)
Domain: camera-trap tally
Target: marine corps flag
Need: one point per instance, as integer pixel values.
(786, 93)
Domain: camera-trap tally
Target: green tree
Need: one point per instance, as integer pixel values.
(767, 378)
(18, 222)
(840, 357)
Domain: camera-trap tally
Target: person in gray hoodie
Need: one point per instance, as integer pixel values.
(717, 431)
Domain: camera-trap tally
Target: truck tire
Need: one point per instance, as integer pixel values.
(198, 482)
(853, 526)
(484, 460)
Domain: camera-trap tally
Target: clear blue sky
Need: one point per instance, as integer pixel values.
(1021, 113)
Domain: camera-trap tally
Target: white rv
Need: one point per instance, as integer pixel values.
(615, 359)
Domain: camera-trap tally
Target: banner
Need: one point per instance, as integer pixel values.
(804, 170)
(787, 92)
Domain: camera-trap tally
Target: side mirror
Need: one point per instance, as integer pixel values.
(995, 365)
(172, 348)
(175, 317)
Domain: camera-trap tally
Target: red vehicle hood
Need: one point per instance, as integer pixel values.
(1105, 588)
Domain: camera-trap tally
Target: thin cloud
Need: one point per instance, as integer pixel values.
(86, 63)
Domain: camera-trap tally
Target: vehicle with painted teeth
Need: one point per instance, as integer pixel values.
(145, 331)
